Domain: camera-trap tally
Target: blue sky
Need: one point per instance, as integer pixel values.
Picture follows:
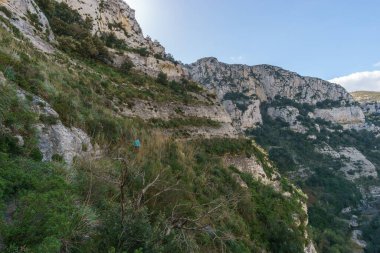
(322, 38)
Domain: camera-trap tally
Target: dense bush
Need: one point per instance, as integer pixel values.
(4, 10)
(162, 78)
(371, 234)
(74, 33)
(328, 104)
(374, 119)
(46, 215)
(112, 41)
(329, 192)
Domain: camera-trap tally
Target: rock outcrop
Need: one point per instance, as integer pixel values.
(264, 81)
(116, 17)
(243, 88)
(251, 166)
(289, 115)
(62, 142)
(148, 110)
(371, 107)
(30, 21)
(345, 116)
(356, 165)
(54, 139)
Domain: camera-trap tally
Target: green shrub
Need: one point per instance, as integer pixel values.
(48, 119)
(328, 104)
(112, 41)
(34, 19)
(4, 10)
(127, 66)
(141, 51)
(46, 213)
(162, 78)
(73, 32)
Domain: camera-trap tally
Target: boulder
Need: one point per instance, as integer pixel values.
(55, 140)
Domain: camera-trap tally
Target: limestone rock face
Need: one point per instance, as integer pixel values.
(289, 115)
(117, 17)
(242, 88)
(55, 138)
(371, 107)
(152, 66)
(147, 110)
(264, 81)
(65, 142)
(165, 111)
(356, 165)
(243, 120)
(248, 165)
(38, 31)
(345, 116)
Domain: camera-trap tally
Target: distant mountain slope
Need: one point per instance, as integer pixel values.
(366, 96)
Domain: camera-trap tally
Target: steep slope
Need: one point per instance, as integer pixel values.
(308, 125)
(80, 107)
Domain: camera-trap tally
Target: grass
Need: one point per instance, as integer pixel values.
(86, 93)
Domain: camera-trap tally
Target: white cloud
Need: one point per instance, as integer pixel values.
(368, 80)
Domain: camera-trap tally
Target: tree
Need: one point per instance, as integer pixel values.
(162, 78)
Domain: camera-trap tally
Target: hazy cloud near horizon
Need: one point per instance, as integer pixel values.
(367, 80)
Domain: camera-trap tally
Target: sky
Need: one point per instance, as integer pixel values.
(337, 40)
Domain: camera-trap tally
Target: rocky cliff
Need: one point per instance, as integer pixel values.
(243, 88)
(117, 18)
(27, 17)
